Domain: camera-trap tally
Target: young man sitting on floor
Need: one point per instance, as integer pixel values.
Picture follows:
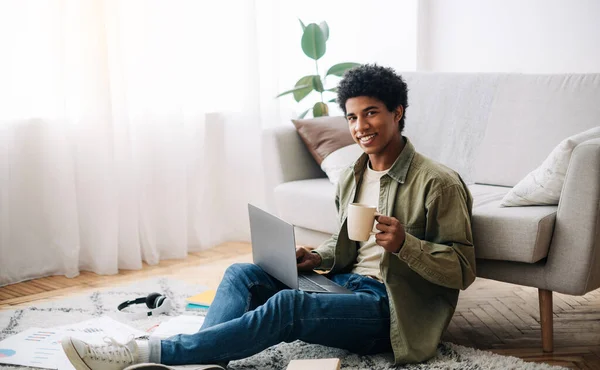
(406, 278)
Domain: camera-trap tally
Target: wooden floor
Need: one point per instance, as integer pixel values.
(494, 316)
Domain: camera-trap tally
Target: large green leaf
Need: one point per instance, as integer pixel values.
(333, 89)
(296, 89)
(307, 85)
(313, 41)
(302, 24)
(303, 114)
(325, 28)
(320, 109)
(317, 83)
(340, 68)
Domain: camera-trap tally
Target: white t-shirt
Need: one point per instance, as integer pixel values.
(369, 253)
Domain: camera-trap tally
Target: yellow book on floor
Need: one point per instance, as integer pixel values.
(317, 364)
(204, 299)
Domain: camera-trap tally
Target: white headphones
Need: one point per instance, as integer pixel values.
(156, 302)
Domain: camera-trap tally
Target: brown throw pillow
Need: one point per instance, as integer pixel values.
(323, 135)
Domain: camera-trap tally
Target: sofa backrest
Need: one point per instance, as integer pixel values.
(496, 128)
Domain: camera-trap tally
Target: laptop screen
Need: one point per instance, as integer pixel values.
(273, 246)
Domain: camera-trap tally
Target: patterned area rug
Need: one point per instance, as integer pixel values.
(104, 302)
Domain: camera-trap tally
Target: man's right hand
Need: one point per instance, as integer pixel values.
(305, 260)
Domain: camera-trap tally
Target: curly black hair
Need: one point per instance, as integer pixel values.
(377, 82)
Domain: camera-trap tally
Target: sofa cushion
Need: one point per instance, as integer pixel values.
(339, 160)
(544, 184)
(308, 203)
(448, 115)
(530, 115)
(323, 135)
(520, 234)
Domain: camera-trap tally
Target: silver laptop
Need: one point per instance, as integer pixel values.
(274, 250)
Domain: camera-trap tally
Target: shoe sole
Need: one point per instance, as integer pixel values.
(73, 355)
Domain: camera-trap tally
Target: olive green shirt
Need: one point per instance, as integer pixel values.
(437, 257)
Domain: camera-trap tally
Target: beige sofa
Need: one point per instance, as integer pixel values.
(493, 129)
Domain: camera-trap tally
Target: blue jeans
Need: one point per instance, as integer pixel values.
(252, 311)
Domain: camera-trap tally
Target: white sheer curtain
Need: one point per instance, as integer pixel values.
(129, 131)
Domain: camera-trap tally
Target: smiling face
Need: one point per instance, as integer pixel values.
(375, 129)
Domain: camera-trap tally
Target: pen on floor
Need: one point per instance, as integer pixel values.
(150, 329)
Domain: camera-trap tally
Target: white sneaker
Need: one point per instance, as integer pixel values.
(110, 356)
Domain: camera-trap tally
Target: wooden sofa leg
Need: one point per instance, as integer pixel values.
(545, 297)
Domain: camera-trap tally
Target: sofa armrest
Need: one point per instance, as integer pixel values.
(574, 255)
(286, 156)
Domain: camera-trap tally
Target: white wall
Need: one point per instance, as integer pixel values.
(534, 36)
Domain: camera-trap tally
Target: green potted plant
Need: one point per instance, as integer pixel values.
(314, 39)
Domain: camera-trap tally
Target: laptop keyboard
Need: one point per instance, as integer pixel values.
(305, 283)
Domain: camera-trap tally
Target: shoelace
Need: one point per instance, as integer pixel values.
(112, 351)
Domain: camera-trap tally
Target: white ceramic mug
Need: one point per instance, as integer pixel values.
(361, 218)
